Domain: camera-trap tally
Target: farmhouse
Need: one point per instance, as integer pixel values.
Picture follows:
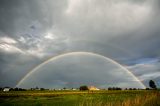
(93, 88)
(6, 89)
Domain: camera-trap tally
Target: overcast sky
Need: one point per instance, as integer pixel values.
(32, 31)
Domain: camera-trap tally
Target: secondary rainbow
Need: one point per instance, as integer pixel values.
(78, 53)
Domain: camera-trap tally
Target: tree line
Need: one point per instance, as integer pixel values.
(152, 86)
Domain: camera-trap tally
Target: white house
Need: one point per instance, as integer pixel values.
(6, 89)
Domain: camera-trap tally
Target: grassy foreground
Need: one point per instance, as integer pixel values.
(79, 98)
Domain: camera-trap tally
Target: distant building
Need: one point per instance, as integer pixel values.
(74, 89)
(93, 88)
(6, 89)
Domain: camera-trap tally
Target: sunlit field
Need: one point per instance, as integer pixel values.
(81, 98)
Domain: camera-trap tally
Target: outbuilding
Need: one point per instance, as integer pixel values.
(6, 89)
(93, 88)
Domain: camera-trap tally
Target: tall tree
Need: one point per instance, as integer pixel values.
(84, 87)
(152, 84)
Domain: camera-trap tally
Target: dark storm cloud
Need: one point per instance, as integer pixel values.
(14, 67)
(17, 15)
(124, 30)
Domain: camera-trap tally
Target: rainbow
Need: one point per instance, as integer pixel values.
(78, 53)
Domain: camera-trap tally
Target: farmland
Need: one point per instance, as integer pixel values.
(80, 98)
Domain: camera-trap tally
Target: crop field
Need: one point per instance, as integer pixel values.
(80, 98)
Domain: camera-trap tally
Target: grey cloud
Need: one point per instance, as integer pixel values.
(146, 72)
(14, 67)
(18, 14)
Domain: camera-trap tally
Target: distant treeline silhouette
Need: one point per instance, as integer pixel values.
(82, 88)
(152, 86)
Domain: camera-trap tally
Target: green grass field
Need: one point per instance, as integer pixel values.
(80, 98)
